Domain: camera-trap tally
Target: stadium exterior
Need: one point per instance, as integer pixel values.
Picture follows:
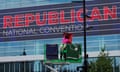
(27, 25)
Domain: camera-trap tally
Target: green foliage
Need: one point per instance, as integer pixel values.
(102, 64)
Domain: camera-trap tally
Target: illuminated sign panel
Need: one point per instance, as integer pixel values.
(55, 54)
(51, 21)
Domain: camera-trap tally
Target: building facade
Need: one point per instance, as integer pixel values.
(27, 25)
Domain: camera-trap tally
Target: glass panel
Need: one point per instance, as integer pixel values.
(28, 3)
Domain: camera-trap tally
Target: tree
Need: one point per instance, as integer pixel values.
(102, 64)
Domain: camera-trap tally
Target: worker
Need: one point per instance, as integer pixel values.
(67, 39)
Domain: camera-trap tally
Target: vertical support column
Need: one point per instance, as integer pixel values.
(14, 67)
(19, 68)
(9, 67)
(114, 68)
(24, 67)
(4, 67)
(85, 52)
(29, 67)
